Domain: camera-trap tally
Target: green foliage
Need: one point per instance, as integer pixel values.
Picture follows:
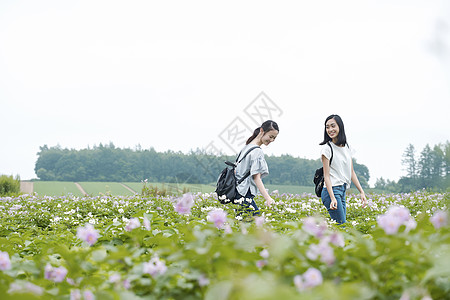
(9, 186)
(431, 170)
(204, 262)
(152, 191)
(108, 163)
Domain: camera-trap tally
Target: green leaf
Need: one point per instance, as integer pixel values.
(99, 255)
(219, 291)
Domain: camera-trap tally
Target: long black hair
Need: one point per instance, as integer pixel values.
(341, 138)
(266, 127)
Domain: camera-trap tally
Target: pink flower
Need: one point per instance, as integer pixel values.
(439, 219)
(228, 229)
(184, 204)
(337, 239)
(218, 217)
(203, 280)
(114, 278)
(5, 262)
(394, 218)
(401, 213)
(312, 226)
(25, 287)
(410, 224)
(88, 295)
(312, 277)
(259, 221)
(389, 223)
(126, 284)
(323, 250)
(75, 294)
(313, 252)
(88, 234)
(264, 253)
(155, 267)
(55, 274)
(298, 282)
(133, 223)
(261, 263)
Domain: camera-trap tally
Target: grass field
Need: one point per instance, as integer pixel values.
(58, 188)
(105, 188)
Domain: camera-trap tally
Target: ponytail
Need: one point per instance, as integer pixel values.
(255, 134)
(266, 126)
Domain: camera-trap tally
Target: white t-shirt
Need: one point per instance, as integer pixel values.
(254, 162)
(341, 166)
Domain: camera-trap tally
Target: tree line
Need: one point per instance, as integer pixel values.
(109, 163)
(428, 170)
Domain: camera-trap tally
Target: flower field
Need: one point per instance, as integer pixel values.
(192, 247)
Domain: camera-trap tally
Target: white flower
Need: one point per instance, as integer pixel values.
(264, 253)
(239, 201)
(155, 267)
(133, 224)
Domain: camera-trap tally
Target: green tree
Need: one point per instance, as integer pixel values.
(446, 158)
(409, 162)
(425, 167)
(380, 183)
(363, 174)
(9, 186)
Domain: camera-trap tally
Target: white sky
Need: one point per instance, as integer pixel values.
(175, 74)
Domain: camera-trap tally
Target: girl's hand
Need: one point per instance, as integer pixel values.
(333, 204)
(363, 199)
(269, 202)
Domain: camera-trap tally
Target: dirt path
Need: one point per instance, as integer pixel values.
(128, 188)
(81, 188)
(27, 187)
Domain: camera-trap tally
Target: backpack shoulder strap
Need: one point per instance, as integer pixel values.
(250, 150)
(248, 172)
(331, 159)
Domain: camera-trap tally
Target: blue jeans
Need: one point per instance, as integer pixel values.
(245, 206)
(339, 193)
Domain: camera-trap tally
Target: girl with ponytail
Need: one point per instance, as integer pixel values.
(256, 163)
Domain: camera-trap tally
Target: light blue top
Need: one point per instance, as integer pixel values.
(256, 163)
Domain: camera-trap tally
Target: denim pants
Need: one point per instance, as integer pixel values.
(339, 193)
(246, 207)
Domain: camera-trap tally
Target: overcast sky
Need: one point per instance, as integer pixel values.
(182, 75)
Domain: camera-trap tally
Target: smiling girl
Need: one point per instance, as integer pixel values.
(340, 173)
(255, 162)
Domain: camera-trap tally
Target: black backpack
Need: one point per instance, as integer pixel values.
(318, 176)
(227, 183)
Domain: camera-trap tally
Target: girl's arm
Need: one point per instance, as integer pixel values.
(262, 189)
(359, 187)
(326, 178)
